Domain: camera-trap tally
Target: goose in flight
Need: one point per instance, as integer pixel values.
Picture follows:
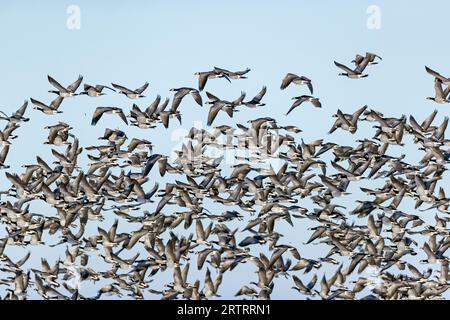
(299, 100)
(62, 91)
(17, 265)
(98, 113)
(352, 74)
(95, 91)
(441, 96)
(58, 134)
(348, 122)
(18, 115)
(217, 105)
(305, 289)
(437, 75)
(131, 94)
(205, 75)
(50, 109)
(298, 80)
(180, 93)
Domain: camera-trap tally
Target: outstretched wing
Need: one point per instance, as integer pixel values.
(295, 105)
(152, 108)
(343, 67)
(122, 88)
(260, 95)
(56, 103)
(4, 153)
(162, 106)
(197, 97)
(100, 88)
(56, 84)
(74, 86)
(213, 111)
(241, 73)
(239, 100)
(202, 78)
(310, 87)
(97, 115)
(176, 101)
(361, 66)
(435, 74)
(220, 70)
(438, 88)
(21, 111)
(357, 114)
(287, 80)
(164, 116)
(142, 88)
(211, 96)
(122, 116)
(373, 56)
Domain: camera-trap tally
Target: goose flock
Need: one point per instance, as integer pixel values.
(174, 230)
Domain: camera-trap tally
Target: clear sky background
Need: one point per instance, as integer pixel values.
(166, 42)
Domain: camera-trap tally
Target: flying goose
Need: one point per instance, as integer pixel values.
(217, 105)
(99, 111)
(305, 289)
(58, 134)
(348, 122)
(211, 287)
(304, 98)
(180, 93)
(16, 266)
(62, 91)
(349, 73)
(204, 76)
(293, 78)
(18, 115)
(50, 109)
(131, 94)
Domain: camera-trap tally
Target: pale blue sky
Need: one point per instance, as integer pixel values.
(166, 42)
